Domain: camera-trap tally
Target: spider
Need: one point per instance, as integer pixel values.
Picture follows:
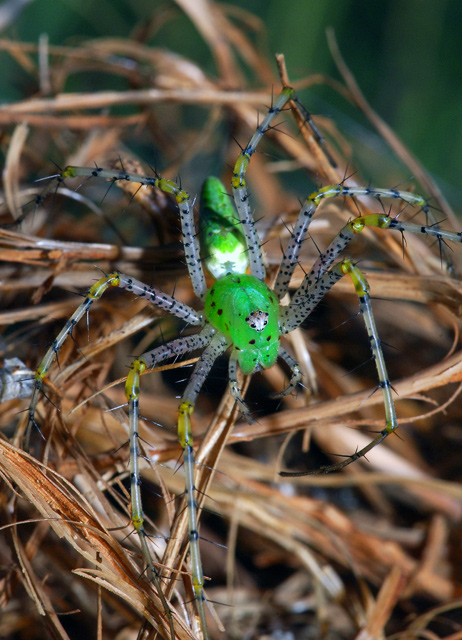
(240, 312)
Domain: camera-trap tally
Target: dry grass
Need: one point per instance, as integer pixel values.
(370, 552)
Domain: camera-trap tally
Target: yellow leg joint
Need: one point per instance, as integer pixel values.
(184, 424)
(168, 186)
(132, 385)
(357, 225)
(357, 277)
(41, 372)
(379, 220)
(330, 191)
(97, 290)
(69, 172)
(288, 93)
(138, 522)
(198, 588)
(240, 168)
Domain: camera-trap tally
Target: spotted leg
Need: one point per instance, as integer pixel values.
(238, 183)
(346, 267)
(295, 376)
(217, 346)
(115, 279)
(307, 211)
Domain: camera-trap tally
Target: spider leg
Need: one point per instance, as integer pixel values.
(428, 230)
(307, 211)
(176, 347)
(115, 279)
(236, 392)
(238, 183)
(296, 374)
(346, 267)
(150, 359)
(323, 276)
(218, 344)
(183, 199)
(292, 252)
(352, 228)
(234, 386)
(293, 315)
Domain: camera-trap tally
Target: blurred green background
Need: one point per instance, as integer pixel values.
(405, 54)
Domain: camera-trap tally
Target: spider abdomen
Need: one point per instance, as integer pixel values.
(244, 308)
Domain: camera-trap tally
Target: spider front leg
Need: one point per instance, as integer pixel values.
(238, 183)
(183, 199)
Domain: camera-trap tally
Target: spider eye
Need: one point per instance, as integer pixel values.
(257, 320)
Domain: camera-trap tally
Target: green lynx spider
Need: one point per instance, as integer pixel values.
(239, 310)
